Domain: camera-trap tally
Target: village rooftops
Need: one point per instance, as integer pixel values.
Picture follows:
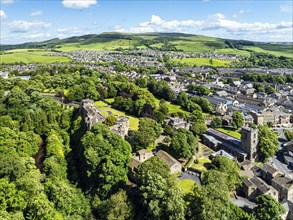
(283, 181)
(269, 169)
(260, 184)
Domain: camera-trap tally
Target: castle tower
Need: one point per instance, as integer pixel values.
(249, 142)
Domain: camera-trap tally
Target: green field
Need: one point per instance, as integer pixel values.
(230, 131)
(186, 185)
(97, 46)
(110, 100)
(199, 62)
(280, 50)
(232, 51)
(172, 107)
(30, 56)
(100, 104)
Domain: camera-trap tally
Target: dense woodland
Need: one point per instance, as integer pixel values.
(51, 167)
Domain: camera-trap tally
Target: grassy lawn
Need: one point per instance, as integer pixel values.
(277, 50)
(97, 46)
(31, 56)
(186, 185)
(133, 121)
(232, 51)
(172, 108)
(202, 158)
(230, 131)
(199, 62)
(110, 100)
(100, 104)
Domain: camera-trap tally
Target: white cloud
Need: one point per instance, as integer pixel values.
(287, 8)
(2, 14)
(78, 4)
(220, 26)
(156, 20)
(218, 16)
(25, 26)
(36, 13)
(6, 1)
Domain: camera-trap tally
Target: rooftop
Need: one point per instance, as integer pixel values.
(224, 137)
(167, 157)
(283, 181)
(260, 184)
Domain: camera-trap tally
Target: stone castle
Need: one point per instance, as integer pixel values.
(90, 113)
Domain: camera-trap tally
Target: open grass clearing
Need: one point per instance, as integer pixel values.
(199, 62)
(186, 185)
(172, 107)
(231, 132)
(31, 56)
(100, 104)
(277, 50)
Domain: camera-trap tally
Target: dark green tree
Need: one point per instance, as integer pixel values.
(238, 119)
(183, 143)
(268, 142)
(268, 208)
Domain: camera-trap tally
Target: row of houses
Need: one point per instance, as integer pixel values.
(266, 180)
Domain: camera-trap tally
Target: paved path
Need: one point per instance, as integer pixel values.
(186, 175)
(242, 202)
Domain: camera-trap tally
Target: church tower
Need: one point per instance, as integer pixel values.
(249, 142)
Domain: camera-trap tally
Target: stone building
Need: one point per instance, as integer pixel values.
(144, 154)
(253, 187)
(90, 113)
(176, 123)
(249, 142)
(121, 126)
(174, 165)
(140, 156)
(284, 185)
(221, 108)
(220, 141)
(275, 117)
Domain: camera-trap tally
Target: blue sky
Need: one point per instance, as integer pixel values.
(36, 20)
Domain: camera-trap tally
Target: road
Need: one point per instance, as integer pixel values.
(282, 167)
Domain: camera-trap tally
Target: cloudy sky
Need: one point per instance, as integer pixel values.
(36, 20)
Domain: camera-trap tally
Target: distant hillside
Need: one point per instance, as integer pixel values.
(160, 41)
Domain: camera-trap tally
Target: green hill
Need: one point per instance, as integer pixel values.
(159, 41)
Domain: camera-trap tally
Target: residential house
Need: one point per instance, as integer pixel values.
(253, 187)
(174, 165)
(284, 185)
